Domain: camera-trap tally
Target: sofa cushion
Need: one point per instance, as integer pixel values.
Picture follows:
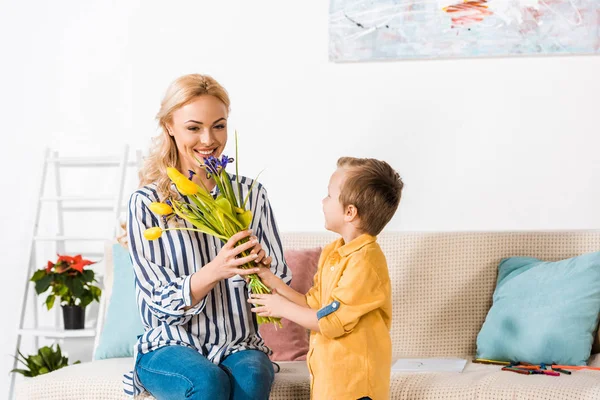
(290, 343)
(543, 312)
(122, 323)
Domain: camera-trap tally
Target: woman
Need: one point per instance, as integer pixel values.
(200, 339)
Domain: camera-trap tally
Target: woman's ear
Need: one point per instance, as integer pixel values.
(169, 129)
(351, 213)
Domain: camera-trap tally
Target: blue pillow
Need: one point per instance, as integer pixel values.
(543, 312)
(122, 323)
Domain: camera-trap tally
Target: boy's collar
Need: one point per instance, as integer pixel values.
(356, 244)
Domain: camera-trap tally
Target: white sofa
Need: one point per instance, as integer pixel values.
(442, 290)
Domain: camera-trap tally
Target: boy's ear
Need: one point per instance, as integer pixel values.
(351, 213)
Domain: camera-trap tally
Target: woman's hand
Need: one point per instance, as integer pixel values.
(261, 259)
(227, 263)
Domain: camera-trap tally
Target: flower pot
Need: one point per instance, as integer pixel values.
(73, 317)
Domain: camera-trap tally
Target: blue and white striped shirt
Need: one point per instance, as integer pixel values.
(221, 323)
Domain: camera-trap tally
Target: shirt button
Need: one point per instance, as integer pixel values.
(332, 268)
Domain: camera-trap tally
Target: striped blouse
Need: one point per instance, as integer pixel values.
(221, 323)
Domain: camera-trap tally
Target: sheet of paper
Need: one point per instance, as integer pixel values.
(429, 365)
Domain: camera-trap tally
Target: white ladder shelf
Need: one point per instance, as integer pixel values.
(66, 203)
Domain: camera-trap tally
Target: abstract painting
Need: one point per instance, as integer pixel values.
(411, 29)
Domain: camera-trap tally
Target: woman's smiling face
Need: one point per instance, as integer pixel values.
(200, 130)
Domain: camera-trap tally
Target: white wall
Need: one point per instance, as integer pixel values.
(482, 144)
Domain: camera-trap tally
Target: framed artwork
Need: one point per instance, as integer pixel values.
(420, 29)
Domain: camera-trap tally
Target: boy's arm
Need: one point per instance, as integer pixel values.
(358, 292)
(302, 315)
(273, 282)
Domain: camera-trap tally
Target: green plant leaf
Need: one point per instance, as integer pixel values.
(23, 372)
(96, 292)
(63, 291)
(50, 301)
(88, 275)
(43, 370)
(77, 288)
(43, 284)
(39, 274)
(86, 298)
(37, 360)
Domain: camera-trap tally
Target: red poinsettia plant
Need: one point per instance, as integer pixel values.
(69, 281)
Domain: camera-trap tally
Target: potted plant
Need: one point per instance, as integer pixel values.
(46, 360)
(70, 282)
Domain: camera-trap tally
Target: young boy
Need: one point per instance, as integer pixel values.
(349, 308)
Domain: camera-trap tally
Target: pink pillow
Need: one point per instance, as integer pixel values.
(290, 343)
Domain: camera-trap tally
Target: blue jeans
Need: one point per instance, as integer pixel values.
(179, 372)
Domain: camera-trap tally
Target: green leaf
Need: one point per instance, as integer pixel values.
(250, 190)
(77, 288)
(50, 301)
(96, 292)
(237, 173)
(86, 298)
(23, 372)
(63, 291)
(43, 370)
(43, 284)
(46, 353)
(39, 274)
(88, 275)
(37, 360)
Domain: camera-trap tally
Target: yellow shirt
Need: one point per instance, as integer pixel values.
(351, 357)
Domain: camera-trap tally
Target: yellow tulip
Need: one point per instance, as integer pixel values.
(153, 233)
(224, 204)
(160, 208)
(184, 185)
(245, 218)
(175, 175)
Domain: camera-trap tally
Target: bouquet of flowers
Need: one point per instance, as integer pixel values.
(222, 217)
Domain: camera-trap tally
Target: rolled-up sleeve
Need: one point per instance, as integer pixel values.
(165, 294)
(268, 236)
(358, 292)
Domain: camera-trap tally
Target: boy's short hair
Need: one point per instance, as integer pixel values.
(374, 188)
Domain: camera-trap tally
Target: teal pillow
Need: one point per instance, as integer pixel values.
(543, 312)
(122, 323)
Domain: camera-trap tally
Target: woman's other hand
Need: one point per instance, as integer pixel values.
(228, 262)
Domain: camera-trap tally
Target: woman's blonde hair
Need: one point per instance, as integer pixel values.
(163, 152)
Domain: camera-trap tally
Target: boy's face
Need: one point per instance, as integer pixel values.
(333, 210)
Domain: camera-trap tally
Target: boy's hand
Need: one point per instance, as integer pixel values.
(268, 305)
(267, 277)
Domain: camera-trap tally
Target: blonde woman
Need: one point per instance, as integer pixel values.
(201, 340)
